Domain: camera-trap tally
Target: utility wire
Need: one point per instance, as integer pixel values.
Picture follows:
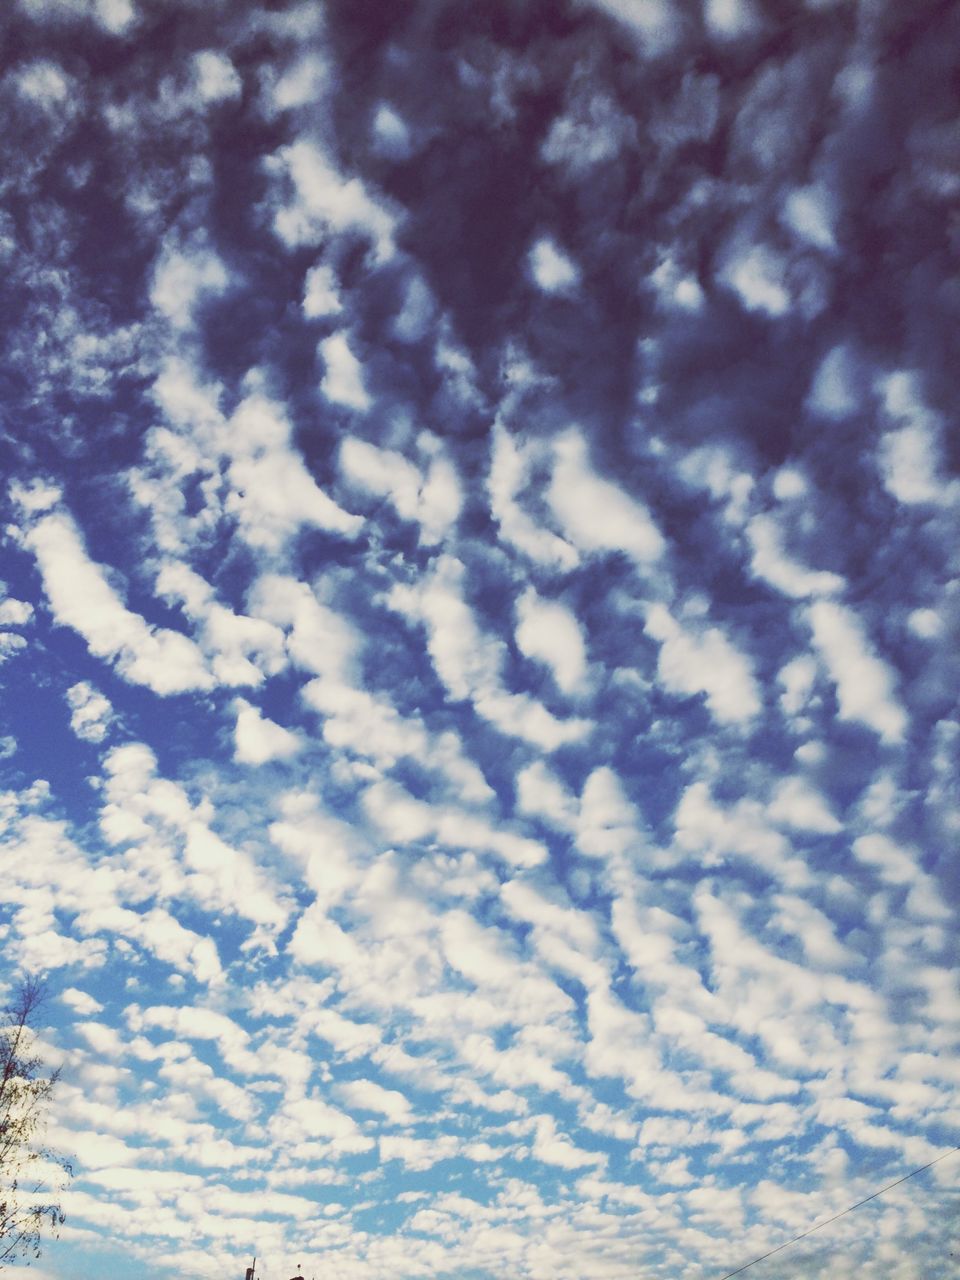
(826, 1222)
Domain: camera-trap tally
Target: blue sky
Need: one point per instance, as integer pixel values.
(479, 630)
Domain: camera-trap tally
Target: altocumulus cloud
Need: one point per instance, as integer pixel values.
(478, 629)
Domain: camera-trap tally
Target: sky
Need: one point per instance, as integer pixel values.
(479, 618)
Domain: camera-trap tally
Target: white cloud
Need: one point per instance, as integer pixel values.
(518, 715)
(548, 632)
(15, 613)
(161, 934)
(718, 834)
(608, 825)
(182, 277)
(797, 679)
(81, 597)
(729, 19)
(325, 849)
(189, 403)
(318, 940)
(565, 939)
(273, 494)
(815, 931)
(81, 1002)
(224, 877)
(116, 16)
(864, 683)
(481, 955)
(676, 289)
(789, 482)
(655, 22)
(894, 864)
(321, 293)
(418, 1153)
(402, 817)
(556, 1148)
(468, 662)
(177, 854)
(551, 269)
(441, 497)
(926, 624)
(327, 201)
(10, 644)
(216, 76)
(305, 81)
(809, 213)
(835, 393)
(796, 803)
(370, 726)
(541, 793)
(91, 713)
(899, 866)
(756, 273)
(312, 1118)
(909, 463)
(704, 661)
(433, 501)
(367, 1095)
(910, 456)
(343, 379)
(621, 1046)
(714, 469)
(770, 562)
(196, 1022)
(349, 1039)
(241, 650)
(509, 474)
(390, 134)
(45, 84)
(319, 639)
(595, 514)
(413, 320)
(113, 16)
(591, 131)
(257, 739)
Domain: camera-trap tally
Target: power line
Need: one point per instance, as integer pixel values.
(826, 1222)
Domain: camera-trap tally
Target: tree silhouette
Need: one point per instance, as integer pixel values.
(26, 1207)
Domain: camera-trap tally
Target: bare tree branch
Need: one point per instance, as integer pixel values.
(28, 1207)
